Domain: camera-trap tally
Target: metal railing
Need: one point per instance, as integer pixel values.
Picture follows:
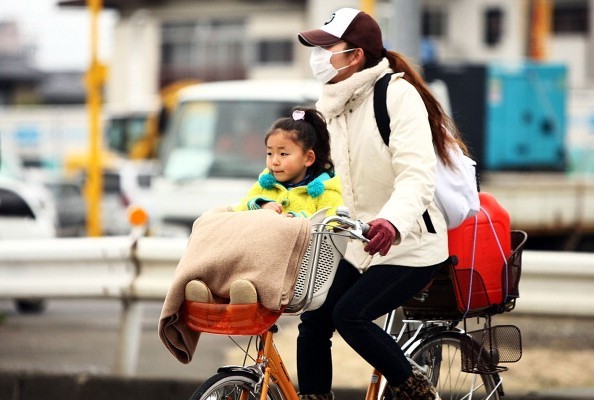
(135, 269)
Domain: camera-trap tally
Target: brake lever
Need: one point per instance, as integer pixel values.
(360, 230)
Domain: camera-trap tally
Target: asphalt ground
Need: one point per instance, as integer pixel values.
(70, 351)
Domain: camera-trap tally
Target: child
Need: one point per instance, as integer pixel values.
(298, 181)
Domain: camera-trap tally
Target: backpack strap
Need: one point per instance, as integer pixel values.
(382, 118)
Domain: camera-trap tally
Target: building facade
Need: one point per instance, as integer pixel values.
(160, 41)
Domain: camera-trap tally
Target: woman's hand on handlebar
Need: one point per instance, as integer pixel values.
(381, 235)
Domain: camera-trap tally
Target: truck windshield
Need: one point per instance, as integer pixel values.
(219, 138)
(124, 132)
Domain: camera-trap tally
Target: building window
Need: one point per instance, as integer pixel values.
(571, 18)
(275, 51)
(433, 23)
(206, 49)
(493, 26)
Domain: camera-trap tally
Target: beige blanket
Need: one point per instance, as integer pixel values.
(261, 246)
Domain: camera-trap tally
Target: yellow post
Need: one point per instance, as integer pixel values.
(540, 27)
(94, 79)
(368, 6)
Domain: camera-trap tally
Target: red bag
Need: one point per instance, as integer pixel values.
(482, 245)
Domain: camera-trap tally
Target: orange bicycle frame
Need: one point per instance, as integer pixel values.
(274, 368)
(269, 356)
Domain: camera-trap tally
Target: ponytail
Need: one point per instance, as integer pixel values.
(443, 129)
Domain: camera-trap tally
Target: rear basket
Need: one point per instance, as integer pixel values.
(459, 293)
(511, 275)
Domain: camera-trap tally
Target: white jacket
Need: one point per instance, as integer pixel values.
(395, 183)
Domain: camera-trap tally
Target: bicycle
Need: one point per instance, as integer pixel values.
(459, 363)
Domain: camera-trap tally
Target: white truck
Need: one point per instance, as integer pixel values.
(213, 150)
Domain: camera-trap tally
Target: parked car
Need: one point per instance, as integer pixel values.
(71, 206)
(129, 183)
(214, 148)
(25, 199)
(27, 211)
(24, 214)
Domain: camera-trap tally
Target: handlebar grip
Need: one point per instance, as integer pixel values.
(364, 227)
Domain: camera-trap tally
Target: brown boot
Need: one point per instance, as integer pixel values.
(326, 396)
(415, 387)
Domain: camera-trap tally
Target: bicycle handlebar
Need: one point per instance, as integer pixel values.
(343, 222)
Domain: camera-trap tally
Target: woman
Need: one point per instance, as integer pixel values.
(391, 186)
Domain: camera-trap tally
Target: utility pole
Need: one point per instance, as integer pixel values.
(590, 45)
(540, 28)
(94, 80)
(368, 6)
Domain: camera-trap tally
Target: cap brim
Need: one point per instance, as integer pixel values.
(317, 37)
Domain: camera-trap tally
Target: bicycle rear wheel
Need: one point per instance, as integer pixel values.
(440, 356)
(233, 385)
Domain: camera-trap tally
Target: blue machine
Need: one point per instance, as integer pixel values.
(525, 117)
(512, 116)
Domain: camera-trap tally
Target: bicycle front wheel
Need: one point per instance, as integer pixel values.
(234, 385)
(440, 357)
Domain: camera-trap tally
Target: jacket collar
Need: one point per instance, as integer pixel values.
(336, 97)
(315, 188)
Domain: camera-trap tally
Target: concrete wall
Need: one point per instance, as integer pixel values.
(464, 37)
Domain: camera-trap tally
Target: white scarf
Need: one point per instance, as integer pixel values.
(352, 91)
(334, 100)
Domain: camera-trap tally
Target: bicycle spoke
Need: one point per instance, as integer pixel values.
(236, 385)
(442, 355)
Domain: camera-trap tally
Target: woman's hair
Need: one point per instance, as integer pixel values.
(309, 130)
(443, 129)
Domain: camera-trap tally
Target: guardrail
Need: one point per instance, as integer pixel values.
(136, 269)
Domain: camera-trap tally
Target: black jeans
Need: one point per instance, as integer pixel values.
(354, 301)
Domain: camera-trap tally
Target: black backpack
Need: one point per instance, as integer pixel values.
(382, 119)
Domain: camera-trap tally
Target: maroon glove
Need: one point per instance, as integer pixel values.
(381, 235)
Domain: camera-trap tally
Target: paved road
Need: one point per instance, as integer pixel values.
(74, 337)
(83, 336)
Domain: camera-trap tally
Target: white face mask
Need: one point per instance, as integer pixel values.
(322, 68)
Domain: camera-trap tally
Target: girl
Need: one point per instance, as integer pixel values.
(299, 179)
